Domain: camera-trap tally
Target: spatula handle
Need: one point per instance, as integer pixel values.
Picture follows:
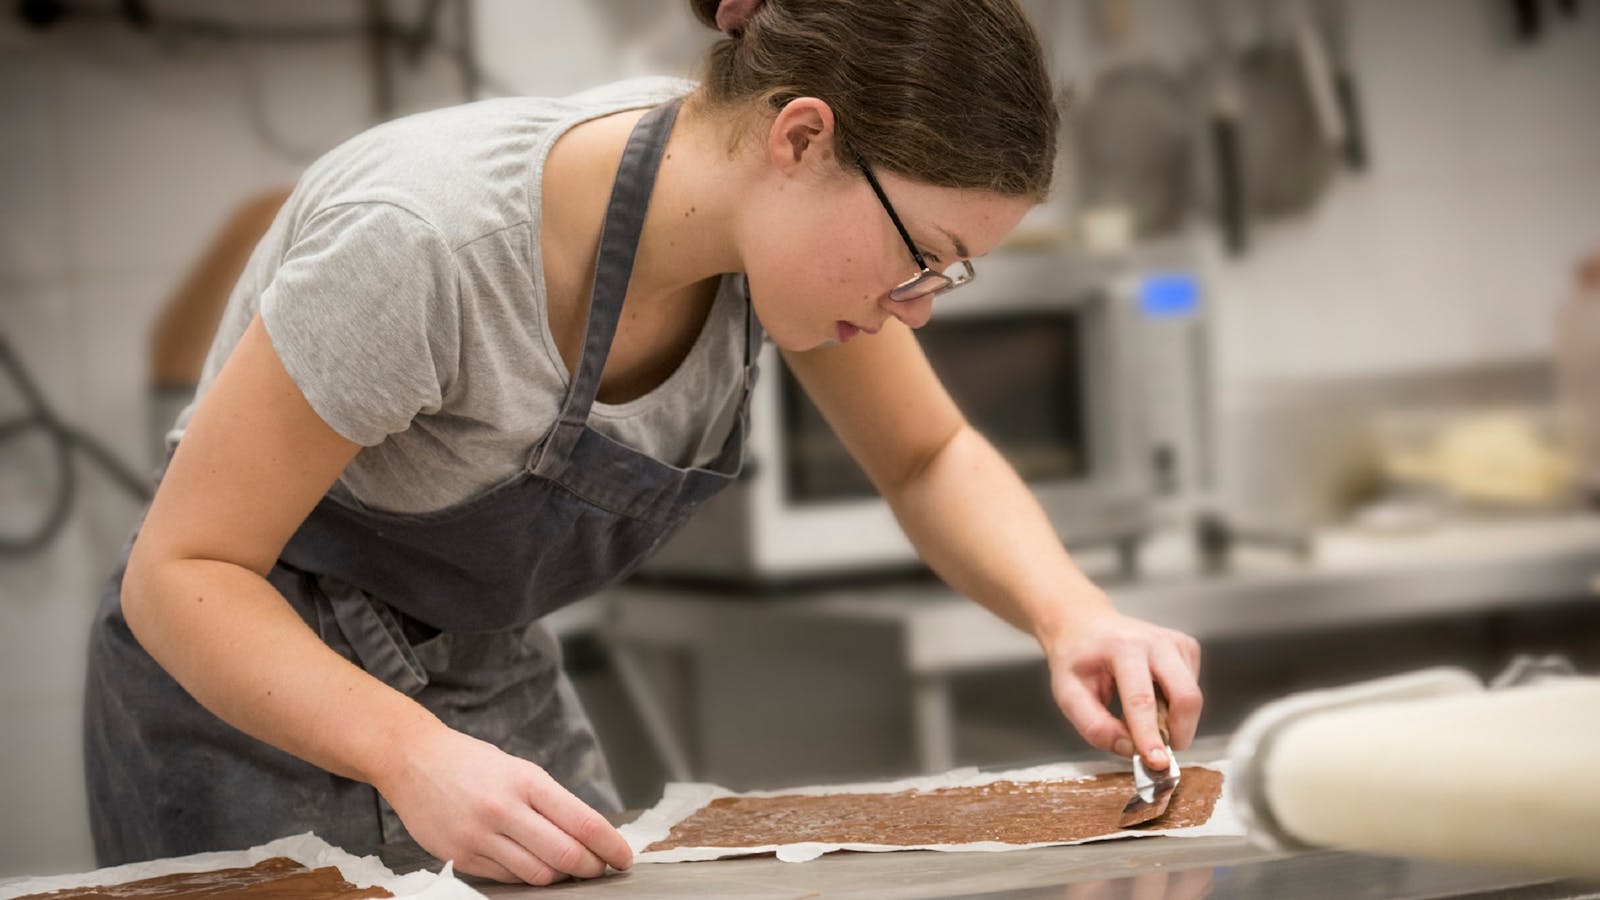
(1161, 718)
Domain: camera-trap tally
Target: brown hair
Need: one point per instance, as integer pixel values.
(952, 93)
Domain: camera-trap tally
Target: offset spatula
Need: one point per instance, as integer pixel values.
(1152, 789)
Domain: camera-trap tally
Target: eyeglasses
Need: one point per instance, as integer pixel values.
(927, 282)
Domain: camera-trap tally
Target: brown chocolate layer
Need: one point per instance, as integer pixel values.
(279, 877)
(1005, 811)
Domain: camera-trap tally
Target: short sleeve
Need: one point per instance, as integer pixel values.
(364, 313)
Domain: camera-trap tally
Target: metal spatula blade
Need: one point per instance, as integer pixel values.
(1152, 789)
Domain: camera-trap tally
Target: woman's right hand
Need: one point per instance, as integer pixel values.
(497, 815)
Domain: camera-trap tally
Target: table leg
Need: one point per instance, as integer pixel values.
(934, 722)
(652, 715)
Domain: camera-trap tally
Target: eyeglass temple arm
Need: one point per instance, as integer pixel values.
(889, 208)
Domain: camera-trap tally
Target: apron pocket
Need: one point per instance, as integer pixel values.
(376, 635)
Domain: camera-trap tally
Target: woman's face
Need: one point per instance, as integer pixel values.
(822, 253)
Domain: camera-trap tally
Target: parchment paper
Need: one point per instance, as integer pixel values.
(680, 801)
(307, 849)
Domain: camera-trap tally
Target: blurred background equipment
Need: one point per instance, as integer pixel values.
(1578, 373)
(1497, 460)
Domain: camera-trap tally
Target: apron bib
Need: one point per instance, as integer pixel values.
(443, 606)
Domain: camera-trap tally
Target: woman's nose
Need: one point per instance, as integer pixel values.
(914, 313)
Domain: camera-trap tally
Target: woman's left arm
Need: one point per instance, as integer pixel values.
(973, 520)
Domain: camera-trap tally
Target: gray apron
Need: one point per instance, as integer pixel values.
(443, 606)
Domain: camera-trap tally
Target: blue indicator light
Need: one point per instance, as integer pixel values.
(1169, 295)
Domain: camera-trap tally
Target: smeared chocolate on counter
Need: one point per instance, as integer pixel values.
(278, 877)
(1008, 812)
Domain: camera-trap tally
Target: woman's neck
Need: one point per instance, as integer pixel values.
(689, 233)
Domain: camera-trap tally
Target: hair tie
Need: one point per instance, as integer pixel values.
(733, 15)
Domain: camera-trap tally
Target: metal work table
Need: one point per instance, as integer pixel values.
(1154, 868)
(1354, 578)
(1145, 868)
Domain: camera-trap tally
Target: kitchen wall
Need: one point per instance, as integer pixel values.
(1460, 242)
(121, 153)
(1457, 245)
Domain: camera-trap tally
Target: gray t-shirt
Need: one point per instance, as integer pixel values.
(402, 288)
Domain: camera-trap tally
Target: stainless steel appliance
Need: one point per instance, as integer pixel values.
(1042, 354)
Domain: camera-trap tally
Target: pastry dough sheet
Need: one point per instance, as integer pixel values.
(305, 849)
(959, 811)
(278, 878)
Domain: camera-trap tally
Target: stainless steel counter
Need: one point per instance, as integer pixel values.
(1146, 869)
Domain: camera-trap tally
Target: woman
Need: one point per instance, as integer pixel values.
(488, 357)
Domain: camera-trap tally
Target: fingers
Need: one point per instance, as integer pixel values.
(1184, 701)
(1141, 662)
(551, 846)
(577, 819)
(1131, 666)
(1089, 715)
(1189, 649)
(517, 860)
(484, 867)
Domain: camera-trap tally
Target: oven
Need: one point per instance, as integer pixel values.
(1041, 355)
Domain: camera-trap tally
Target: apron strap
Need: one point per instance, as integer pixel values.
(753, 335)
(619, 245)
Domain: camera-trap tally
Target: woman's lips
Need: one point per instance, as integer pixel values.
(845, 331)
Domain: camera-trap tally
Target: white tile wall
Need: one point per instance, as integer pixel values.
(1459, 244)
(41, 783)
(119, 156)
(117, 312)
(47, 607)
(33, 248)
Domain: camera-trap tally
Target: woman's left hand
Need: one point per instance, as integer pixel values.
(1100, 653)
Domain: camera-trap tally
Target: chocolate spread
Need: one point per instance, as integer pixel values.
(279, 877)
(1005, 811)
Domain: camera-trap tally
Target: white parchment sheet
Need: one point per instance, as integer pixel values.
(307, 849)
(682, 800)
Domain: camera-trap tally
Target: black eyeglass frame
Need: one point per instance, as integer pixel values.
(917, 286)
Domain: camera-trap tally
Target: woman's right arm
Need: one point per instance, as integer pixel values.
(254, 460)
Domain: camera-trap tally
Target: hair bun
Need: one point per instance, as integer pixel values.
(705, 11)
(728, 16)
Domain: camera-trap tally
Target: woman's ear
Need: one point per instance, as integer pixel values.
(801, 135)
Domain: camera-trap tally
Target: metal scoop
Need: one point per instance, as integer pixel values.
(1152, 789)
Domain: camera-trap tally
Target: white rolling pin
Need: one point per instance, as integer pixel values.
(1432, 766)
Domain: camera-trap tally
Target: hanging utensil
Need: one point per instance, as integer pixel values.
(1223, 114)
(1288, 161)
(1333, 16)
(1316, 67)
(1133, 135)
